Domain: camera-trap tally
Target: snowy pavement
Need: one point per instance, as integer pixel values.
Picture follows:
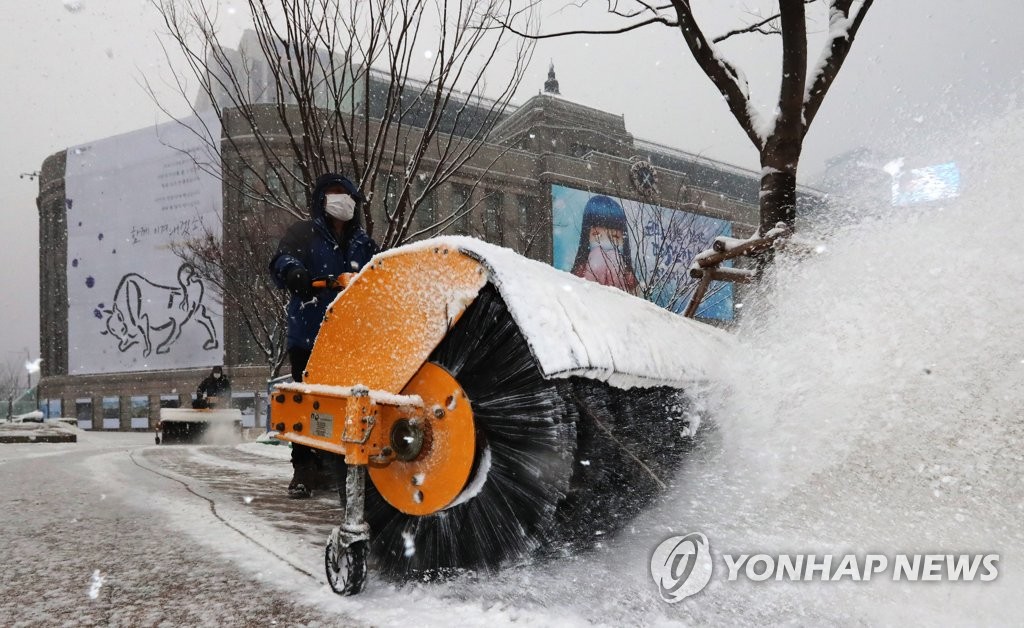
(115, 531)
(82, 546)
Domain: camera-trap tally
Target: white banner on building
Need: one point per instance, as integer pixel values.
(132, 304)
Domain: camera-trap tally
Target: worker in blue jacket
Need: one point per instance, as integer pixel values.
(330, 243)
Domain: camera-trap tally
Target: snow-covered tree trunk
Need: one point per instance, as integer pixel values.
(777, 202)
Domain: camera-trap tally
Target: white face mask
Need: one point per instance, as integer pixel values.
(340, 206)
(604, 242)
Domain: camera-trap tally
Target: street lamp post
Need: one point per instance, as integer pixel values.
(32, 366)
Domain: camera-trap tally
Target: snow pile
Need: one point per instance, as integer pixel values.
(579, 328)
(38, 433)
(267, 451)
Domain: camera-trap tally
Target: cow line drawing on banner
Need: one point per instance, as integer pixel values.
(128, 199)
(143, 309)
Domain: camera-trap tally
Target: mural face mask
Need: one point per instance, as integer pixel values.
(602, 240)
(605, 263)
(340, 206)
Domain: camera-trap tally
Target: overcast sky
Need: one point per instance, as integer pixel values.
(919, 76)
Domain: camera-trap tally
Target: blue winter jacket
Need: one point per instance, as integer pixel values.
(310, 244)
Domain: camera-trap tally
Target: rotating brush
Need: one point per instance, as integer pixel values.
(526, 441)
(559, 462)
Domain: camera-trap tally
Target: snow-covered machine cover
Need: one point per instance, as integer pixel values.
(578, 328)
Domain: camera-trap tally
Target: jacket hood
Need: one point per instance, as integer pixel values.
(324, 181)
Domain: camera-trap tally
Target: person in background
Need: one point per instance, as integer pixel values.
(330, 243)
(215, 385)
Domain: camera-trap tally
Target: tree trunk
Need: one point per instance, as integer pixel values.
(777, 203)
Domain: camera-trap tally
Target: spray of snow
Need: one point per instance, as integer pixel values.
(872, 404)
(221, 433)
(410, 544)
(475, 485)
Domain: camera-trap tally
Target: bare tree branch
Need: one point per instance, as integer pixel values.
(763, 27)
(726, 77)
(794, 68)
(842, 31)
(327, 86)
(611, 31)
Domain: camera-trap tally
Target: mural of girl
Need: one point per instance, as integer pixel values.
(604, 254)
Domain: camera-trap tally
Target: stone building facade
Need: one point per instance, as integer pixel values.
(546, 141)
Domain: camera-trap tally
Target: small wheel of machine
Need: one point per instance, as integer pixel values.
(345, 566)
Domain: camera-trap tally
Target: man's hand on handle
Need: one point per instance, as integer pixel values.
(299, 282)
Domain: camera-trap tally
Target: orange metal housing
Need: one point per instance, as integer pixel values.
(368, 371)
(384, 326)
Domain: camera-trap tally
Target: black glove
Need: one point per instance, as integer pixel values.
(299, 282)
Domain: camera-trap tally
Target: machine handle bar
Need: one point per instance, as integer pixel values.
(339, 282)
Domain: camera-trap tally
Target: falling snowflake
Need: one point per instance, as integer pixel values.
(96, 584)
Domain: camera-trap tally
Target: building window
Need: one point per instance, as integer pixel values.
(263, 405)
(426, 212)
(83, 412)
(51, 408)
(111, 413)
(170, 401)
(493, 217)
(247, 349)
(246, 404)
(249, 191)
(386, 198)
(276, 191)
(460, 205)
(526, 230)
(140, 412)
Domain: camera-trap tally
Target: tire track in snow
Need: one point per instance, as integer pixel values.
(213, 510)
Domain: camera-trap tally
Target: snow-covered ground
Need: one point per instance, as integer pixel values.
(91, 538)
(113, 530)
